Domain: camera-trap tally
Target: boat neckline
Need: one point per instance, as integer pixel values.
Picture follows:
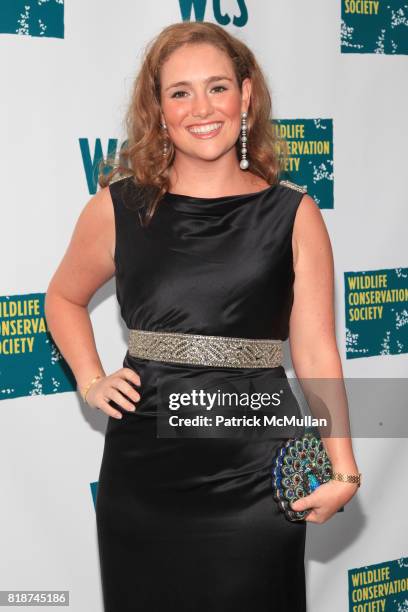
(178, 196)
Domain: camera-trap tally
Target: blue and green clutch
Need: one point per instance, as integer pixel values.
(299, 467)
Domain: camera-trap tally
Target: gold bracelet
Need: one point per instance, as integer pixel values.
(89, 385)
(356, 478)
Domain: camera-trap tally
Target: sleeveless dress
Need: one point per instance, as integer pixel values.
(190, 524)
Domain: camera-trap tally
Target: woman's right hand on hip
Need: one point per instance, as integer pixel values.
(115, 387)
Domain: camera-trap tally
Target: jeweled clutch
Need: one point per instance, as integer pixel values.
(299, 467)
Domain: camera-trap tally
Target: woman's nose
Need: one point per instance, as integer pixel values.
(201, 106)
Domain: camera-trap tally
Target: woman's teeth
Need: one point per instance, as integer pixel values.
(205, 129)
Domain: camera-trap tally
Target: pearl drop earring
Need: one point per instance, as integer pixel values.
(165, 147)
(244, 163)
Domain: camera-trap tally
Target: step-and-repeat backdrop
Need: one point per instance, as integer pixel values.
(338, 73)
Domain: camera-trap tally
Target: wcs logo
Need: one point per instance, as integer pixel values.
(91, 160)
(222, 18)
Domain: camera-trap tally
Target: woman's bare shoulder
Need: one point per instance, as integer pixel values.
(308, 218)
(98, 219)
(309, 229)
(88, 260)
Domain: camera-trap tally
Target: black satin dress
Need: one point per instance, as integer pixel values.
(189, 524)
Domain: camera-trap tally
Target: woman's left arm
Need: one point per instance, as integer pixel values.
(314, 352)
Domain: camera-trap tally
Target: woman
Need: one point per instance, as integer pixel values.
(204, 241)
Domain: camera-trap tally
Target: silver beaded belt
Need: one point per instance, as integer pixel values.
(223, 351)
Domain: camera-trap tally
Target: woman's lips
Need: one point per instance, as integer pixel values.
(204, 135)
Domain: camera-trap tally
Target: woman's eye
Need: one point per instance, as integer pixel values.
(177, 92)
(175, 95)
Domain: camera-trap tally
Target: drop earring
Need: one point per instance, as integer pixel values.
(165, 146)
(244, 163)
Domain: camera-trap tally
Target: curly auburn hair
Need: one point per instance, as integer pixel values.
(142, 153)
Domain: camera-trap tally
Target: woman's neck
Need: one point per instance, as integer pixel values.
(211, 183)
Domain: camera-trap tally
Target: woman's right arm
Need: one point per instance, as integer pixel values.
(87, 264)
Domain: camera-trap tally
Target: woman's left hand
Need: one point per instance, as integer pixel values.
(325, 500)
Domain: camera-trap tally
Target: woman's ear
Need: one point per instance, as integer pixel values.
(246, 94)
(162, 119)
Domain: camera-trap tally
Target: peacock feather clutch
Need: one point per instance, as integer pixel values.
(299, 467)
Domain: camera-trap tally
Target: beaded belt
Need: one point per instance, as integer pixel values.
(223, 351)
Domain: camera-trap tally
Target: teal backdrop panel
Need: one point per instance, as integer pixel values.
(376, 304)
(44, 18)
(310, 149)
(30, 362)
(383, 586)
(374, 26)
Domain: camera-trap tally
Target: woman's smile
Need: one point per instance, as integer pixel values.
(206, 131)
